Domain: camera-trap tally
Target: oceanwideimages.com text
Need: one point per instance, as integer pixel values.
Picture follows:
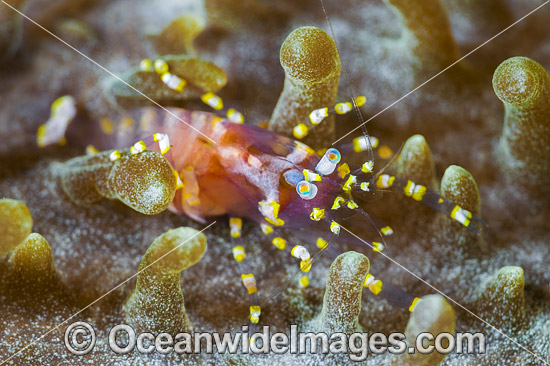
(80, 340)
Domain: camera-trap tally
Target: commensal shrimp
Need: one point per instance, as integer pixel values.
(224, 167)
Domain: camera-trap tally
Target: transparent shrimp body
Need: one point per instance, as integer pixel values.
(225, 167)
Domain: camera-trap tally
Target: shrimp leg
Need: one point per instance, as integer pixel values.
(297, 251)
(429, 198)
(302, 129)
(249, 281)
(389, 292)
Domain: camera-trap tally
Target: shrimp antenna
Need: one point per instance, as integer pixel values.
(375, 246)
(366, 136)
(384, 231)
(390, 162)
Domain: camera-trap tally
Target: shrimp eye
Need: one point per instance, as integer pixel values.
(306, 190)
(333, 155)
(328, 162)
(293, 177)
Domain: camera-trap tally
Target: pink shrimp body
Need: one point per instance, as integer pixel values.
(248, 172)
(242, 168)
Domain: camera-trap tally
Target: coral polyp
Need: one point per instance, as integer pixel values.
(312, 70)
(471, 148)
(145, 182)
(15, 223)
(156, 305)
(342, 301)
(523, 85)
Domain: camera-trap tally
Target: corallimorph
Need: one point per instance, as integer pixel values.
(178, 37)
(432, 314)
(200, 74)
(31, 276)
(474, 22)
(33, 259)
(460, 187)
(503, 291)
(15, 223)
(77, 33)
(523, 85)
(311, 63)
(342, 301)
(434, 50)
(417, 162)
(157, 304)
(144, 181)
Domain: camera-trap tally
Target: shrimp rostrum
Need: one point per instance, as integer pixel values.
(201, 165)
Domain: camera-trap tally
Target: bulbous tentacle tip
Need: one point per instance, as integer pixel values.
(311, 62)
(76, 32)
(144, 181)
(489, 17)
(198, 71)
(31, 272)
(178, 36)
(190, 70)
(505, 291)
(33, 258)
(520, 81)
(33, 278)
(15, 223)
(523, 85)
(459, 186)
(432, 314)
(174, 251)
(434, 51)
(157, 303)
(417, 163)
(344, 288)
(309, 55)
